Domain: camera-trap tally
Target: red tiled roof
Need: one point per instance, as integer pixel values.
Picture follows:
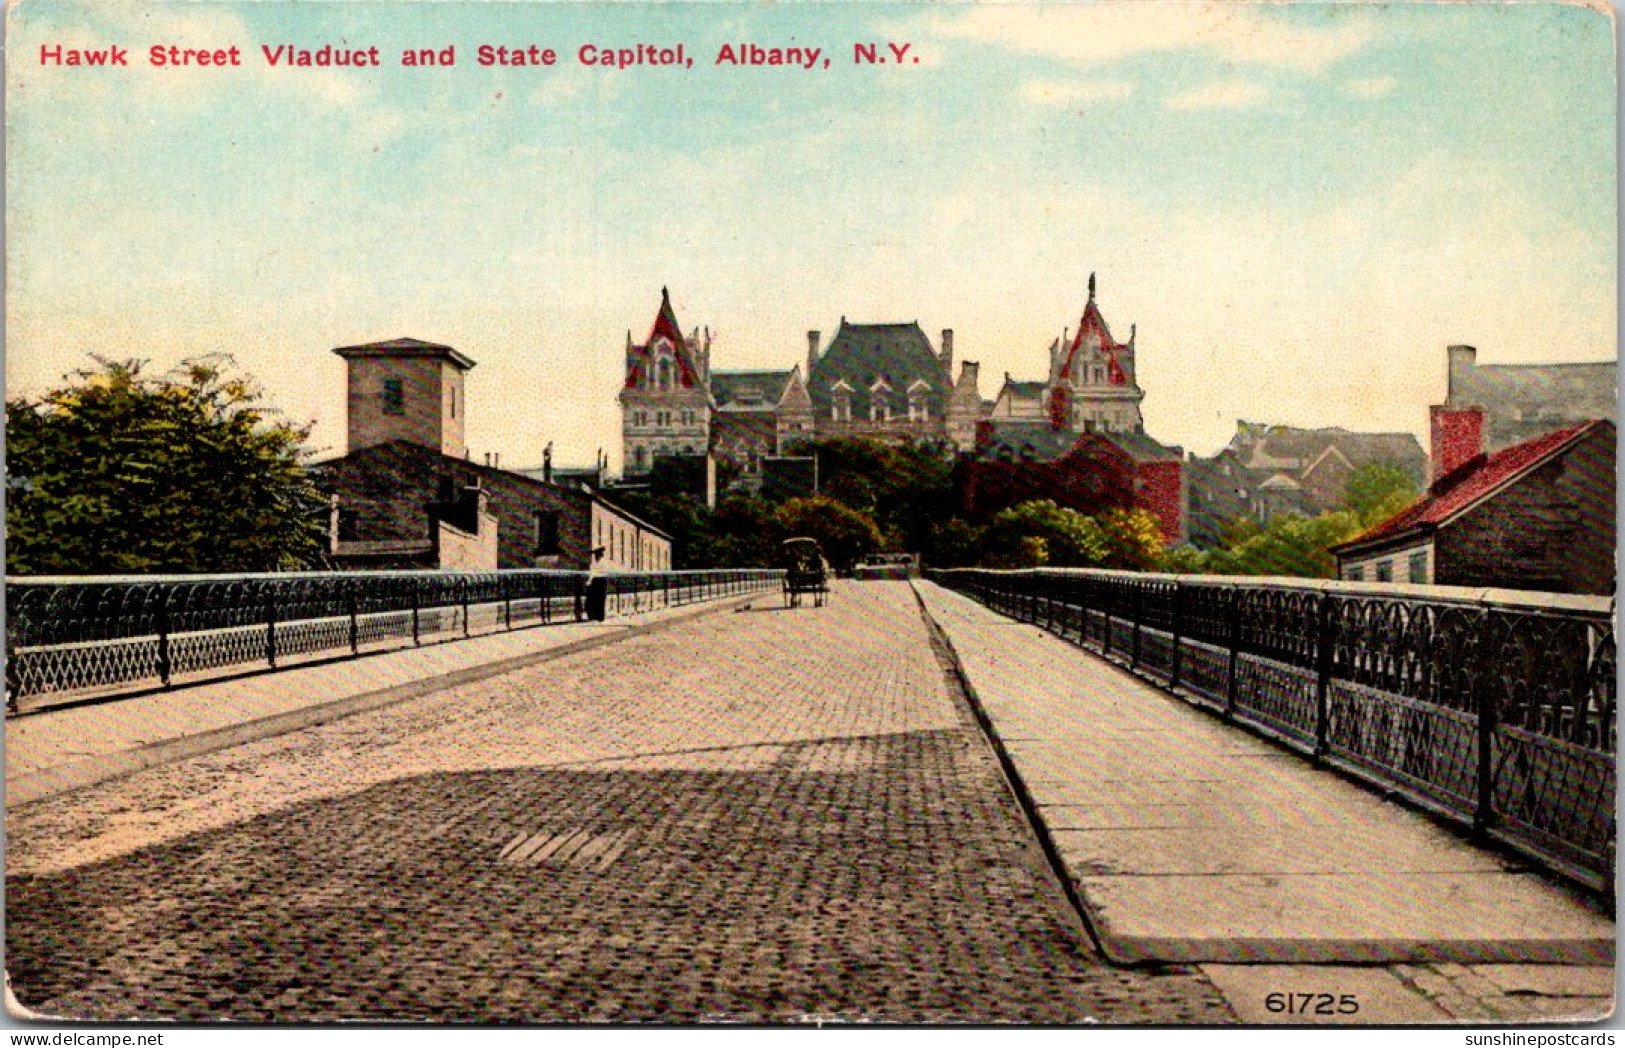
(665, 326)
(1471, 484)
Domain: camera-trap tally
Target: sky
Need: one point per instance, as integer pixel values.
(1298, 206)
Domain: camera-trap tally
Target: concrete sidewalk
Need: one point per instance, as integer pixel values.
(65, 748)
(1189, 840)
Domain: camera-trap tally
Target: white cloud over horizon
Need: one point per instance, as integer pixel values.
(1221, 94)
(1079, 93)
(1243, 34)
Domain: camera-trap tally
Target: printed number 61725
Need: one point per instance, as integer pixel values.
(1312, 1004)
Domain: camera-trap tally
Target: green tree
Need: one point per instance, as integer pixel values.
(1377, 491)
(1133, 539)
(1289, 545)
(1068, 538)
(746, 534)
(845, 534)
(906, 488)
(1185, 560)
(119, 472)
(955, 543)
(1026, 551)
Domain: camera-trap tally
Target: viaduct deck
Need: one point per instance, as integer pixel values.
(746, 814)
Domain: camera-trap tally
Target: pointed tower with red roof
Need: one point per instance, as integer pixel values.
(665, 399)
(1091, 382)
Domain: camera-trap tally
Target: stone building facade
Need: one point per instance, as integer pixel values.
(1090, 398)
(399, 499)
(882, 381)
(1538, 515)
(407, 389)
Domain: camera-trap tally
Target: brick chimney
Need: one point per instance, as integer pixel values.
(947, 354)
(1458, 438)
(812, 352)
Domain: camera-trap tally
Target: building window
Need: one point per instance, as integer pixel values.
(1419, 568)
(1385, 571)
(841, 409)
(1354, 574)
(547, 534)
(453, 392)
(394, 397)
(663, 373)
(640, 457)
(879, 411)
(688, 418)
(349, 524)
(1099, 374)
(916, 409)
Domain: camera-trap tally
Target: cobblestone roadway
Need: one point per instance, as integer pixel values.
(759, 816)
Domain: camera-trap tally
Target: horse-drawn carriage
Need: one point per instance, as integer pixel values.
(804, 572)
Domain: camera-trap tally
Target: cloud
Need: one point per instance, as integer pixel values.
(1221, 94)
(1370, 87)
(1080, 93)
(1092, 33)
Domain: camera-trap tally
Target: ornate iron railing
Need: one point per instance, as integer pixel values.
(75, 635)
(1493, 708)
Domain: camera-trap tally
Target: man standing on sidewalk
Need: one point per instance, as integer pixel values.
(597, 586)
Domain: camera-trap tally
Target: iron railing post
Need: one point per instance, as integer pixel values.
(1108, 598)
(1137, 611)
(507, 602)
(163, 635)
(1177, 600)
(1325, 638)
(355, 625)
(1488, 710)
(462, 590)
(270, 626)
(413, 588)
(1235, 651)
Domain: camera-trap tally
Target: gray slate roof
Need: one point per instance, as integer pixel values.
(732, 390)
(861, 353)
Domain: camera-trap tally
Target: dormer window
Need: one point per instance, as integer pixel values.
(663, 373)
(840, 408)
(879, 410)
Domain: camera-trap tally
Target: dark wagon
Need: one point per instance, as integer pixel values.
(804, 572)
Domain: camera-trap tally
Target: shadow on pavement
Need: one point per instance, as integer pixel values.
(883, 878)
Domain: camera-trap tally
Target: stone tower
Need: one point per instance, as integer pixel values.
(665, 398)
(1091, 382)
(407, 389)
